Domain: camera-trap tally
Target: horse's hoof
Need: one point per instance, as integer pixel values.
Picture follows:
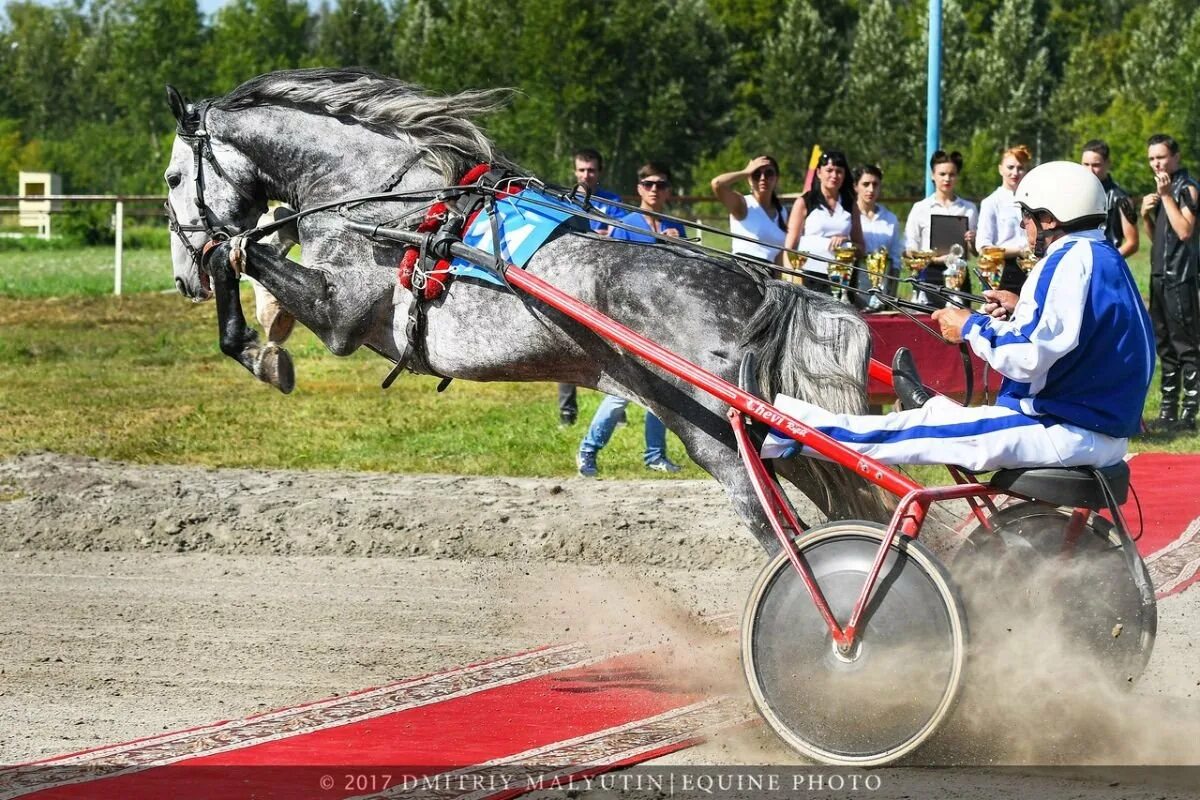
(275, 367)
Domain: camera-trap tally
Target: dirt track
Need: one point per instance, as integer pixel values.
(142, 599)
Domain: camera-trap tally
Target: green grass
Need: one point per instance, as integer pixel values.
(141, 379)
(54, 272)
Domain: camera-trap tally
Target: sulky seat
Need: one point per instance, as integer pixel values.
(1073, 487)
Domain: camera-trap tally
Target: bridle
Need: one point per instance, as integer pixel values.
(200, 142)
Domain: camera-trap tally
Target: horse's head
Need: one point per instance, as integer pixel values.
(213, 193)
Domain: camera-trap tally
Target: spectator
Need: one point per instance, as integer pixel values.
(1000, 217)
(654, 189)
(1121, 227)
(589, 167)
(946, 168)
(824, 217)
(1170, 218)
(880, 229)
(759, 215)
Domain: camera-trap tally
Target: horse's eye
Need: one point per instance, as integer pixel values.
(173, 181)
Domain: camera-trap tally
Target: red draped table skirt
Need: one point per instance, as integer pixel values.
(940, 364)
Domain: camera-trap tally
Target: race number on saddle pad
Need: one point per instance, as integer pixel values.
(526, 221)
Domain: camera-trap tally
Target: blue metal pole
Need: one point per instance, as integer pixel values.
(933, 97)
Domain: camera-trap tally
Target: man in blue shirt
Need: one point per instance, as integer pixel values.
(589, 166)
(1076, 350)
(654, 190)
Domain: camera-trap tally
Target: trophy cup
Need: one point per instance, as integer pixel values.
(877, 267)
(1027, 260)
(877, 264)
(955, 273)
(916, 260)
(840, 271)
(991, 262)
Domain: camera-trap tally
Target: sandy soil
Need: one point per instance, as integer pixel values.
(140, 599)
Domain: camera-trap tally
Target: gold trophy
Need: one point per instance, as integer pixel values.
(991, 262)
(877, 264)
(795, 261)
(840, 271)
(916, 260)
(1027, 260)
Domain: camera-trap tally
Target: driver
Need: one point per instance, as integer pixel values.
(1076, 350)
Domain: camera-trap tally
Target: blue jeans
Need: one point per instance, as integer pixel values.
(605, 422)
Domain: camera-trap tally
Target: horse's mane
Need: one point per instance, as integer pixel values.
(443, 125)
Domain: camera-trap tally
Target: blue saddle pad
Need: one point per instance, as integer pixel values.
(524, 227)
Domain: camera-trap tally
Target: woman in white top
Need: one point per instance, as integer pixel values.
(824, 217)
(945, 167)
(760, 214)
(1000, 217)
(880, 229)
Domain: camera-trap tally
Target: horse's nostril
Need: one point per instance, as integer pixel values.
(179, 286)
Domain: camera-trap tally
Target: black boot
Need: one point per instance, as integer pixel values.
(1191, 400)
(910, 391)
(1168, 408)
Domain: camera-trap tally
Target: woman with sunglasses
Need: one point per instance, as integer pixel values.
(943, 202)
(825, 217)
(759, 215)
(654, 191)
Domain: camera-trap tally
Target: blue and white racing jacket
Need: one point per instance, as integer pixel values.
(1079, 347)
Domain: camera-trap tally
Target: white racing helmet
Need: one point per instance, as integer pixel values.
(1066, 190)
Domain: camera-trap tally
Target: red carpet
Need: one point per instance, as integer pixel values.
(528, 719)
(1167, 487)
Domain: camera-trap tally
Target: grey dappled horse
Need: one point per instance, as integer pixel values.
(309, 137)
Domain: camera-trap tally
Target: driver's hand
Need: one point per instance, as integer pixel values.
(951, 320)
(1001, 303)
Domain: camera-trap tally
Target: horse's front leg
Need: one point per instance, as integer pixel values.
(339, 308)
(270, 364)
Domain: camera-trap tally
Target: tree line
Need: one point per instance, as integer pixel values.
(701, 85)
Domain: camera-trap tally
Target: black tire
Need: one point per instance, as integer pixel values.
(902, 681)
(1093, 599)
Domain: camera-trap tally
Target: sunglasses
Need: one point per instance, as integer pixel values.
(759, 174)
(659, 185)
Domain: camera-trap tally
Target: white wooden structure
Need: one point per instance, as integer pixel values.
(33, 213)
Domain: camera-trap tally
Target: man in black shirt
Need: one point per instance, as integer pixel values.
(1121, 226)
(1170, 218)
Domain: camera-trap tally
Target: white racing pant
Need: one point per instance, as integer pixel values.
(977, 438)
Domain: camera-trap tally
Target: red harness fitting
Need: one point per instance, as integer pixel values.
(436, 279)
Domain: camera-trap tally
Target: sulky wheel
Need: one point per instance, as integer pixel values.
(1085, 597)
(900, 681)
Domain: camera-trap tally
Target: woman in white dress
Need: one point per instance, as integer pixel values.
(880, 229)
(944, 201)
(760, 214)
(1000, 217)
(824, 217)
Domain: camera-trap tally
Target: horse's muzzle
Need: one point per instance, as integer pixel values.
(196, 293)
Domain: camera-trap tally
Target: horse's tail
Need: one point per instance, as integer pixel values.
(816, 348)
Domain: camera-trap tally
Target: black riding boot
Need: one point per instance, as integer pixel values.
(1168, 408)
(1191, 400)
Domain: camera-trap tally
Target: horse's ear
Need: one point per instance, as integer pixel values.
(177, 103)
